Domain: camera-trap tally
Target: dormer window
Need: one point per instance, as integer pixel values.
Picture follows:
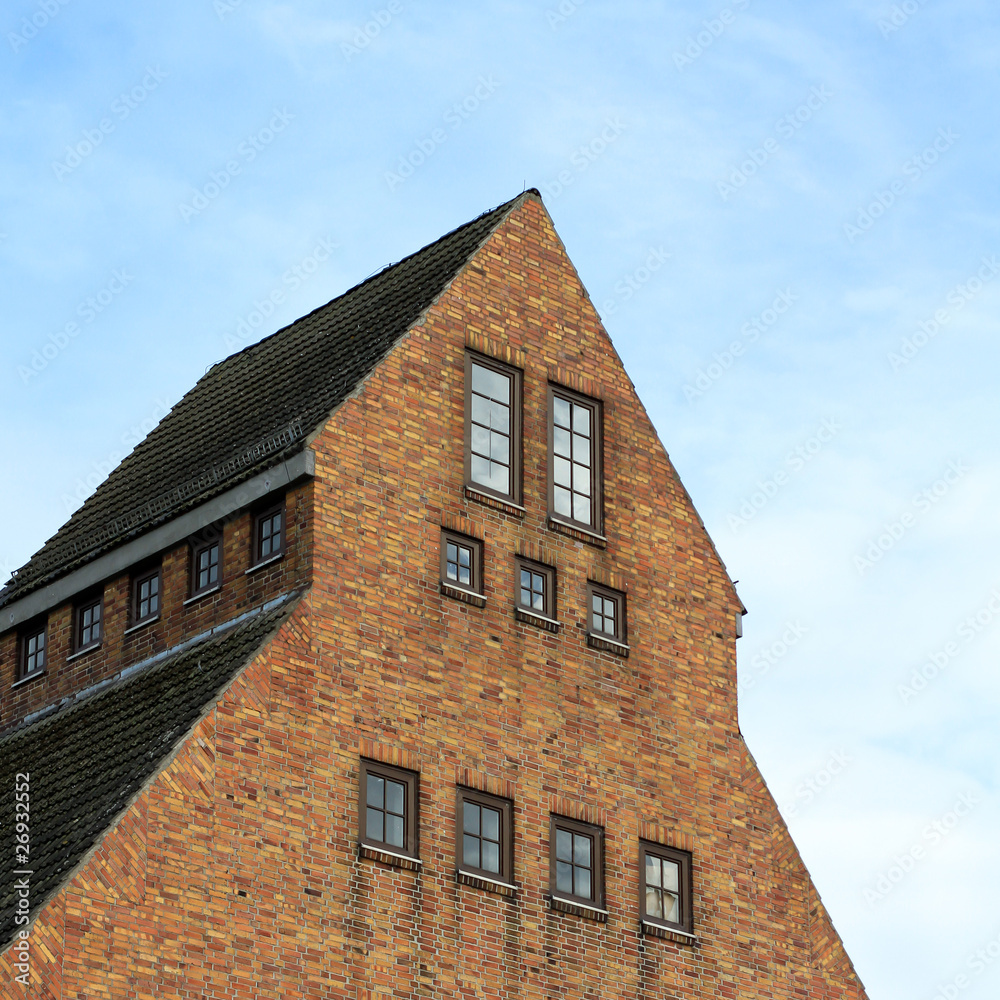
(32, 654)
(269, 533)
(146, 596)
(206, 568)
(89, 629)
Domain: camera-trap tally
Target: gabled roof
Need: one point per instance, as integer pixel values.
(88, 759)
(256, 408)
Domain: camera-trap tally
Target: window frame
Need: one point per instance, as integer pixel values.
(596, 835)
(506, 809)
(596, 525)
(79, 610)
(620, 637)
(549, 574)
(196, 549)
(453, 587)
(411, 825)
(684, 884)
(516, 376)
(259, 518)
(32, 631)
(138, 579)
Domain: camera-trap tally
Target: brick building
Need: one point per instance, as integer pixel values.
(396, 661)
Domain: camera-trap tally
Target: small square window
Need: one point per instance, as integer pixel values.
(534, 591)
(461, 566)
(269, 533)
(388, 808)
(146, 596)
(485, 836)
(32, 656)
(493, 427)
(206, 568)
(605, 614)
(576, 861)
(88, 629)
(575, 459)
(665, 886)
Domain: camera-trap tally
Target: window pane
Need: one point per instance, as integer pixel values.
(671, 873)
(581, 509)
(500, 417)
(561, 471)
(500, 448)
(470, 821)
(394, 792)
(564, 845)
(560, 442)
(525, 597)
(480, 440)
(526, 579)
(581, 450)
(583, 883)
(654, 907)
(470, 850)
(373, 828)
(581, 850)
(652, 870)
(501, 478)
(671, 907)
(491, 823)
(490, 383)
(564, 876)
(480, 410)
(481, 471)
(376, 791)
(394, 830)
(538, 602)
(597, 605)
(491, 857)
(581, 479)
(560, 411)
(464, 556)
(581, 420)
(562, 501)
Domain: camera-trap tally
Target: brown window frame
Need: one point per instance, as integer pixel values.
(516, 376)
(32, 631)
(548, 573)
(411, 820)
(138, 579)
(475, 545)
(596, 835)
(684, 885)
(621, 620)
(596, 523)
(79, 613)
(196, 550)
(258, 521)
(506, 809)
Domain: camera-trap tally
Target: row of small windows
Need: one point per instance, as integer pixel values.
(534, 589)
(493, 443)
(484, 849)
(144, 605)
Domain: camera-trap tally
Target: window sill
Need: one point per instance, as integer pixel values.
(488, 884)
(28, 678)
(199, 596)
(578, 909)
(388, 857)
(515, 510)
(266, 562)
(469, 596)
(83, 652)
(533, 618)
(608, 645)
(142, 624)
(650, 929)
(579, 533)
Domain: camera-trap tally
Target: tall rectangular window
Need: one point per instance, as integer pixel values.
(269, 535)
(665, 886)
(88, 631)
(388, 808)
(146, 596)
(485, 835)
(575, 459)
(206, 568)
(493, 427)
(32, 658)
(576, 863)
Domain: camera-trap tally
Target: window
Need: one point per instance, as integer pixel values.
(606, 614)
(493, 427)
(388, 808)
(535, 593)
(269, 536)
(485, 836)
(206, 568)
(576, 864)
(665, 886)
(575, 459)
(87, 632)
(461, 565)
(32, 659)
(146, 596)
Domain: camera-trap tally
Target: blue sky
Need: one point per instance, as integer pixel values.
(787, 215)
